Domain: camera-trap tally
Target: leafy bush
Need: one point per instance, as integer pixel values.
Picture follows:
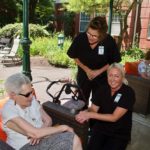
(12, 30)
(133, 54)
(48, 47)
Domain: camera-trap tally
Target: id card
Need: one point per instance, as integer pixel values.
(101, 50)
(117, 98)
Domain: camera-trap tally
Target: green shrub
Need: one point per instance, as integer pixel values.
(133, 54)
(58, 56)
(12, 30)
(48, 47)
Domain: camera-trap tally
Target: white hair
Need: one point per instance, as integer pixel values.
(120, 68)
(15, 82)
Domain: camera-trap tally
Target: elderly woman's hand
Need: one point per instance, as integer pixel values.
(34, 141)
(65, 128)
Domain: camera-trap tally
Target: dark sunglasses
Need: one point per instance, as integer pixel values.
(26, 95)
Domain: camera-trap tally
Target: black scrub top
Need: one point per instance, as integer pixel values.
(106, 52)
(125, 98)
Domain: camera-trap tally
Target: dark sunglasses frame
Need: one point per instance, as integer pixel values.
(26, 95)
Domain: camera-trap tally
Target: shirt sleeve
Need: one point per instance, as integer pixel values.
(36, 104)
(35, 109)
(141, 67)
(9, 112)
(73, 49)
(114, 54)
(128, 99)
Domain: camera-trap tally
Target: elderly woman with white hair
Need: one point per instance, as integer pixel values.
(27, 125)
(111, 107)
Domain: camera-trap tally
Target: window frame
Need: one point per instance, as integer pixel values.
(84, 19)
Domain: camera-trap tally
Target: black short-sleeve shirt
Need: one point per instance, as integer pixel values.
(106, 52)
(125, 98)
(94, 58)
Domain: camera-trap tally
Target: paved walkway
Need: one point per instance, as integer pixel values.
(41, 69)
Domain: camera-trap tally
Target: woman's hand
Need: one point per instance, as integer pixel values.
(94, 73)
(83, 116)
(91, 74)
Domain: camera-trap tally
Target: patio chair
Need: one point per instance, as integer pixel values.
(11, 57)
(5, 42)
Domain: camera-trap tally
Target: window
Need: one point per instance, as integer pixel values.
(115, 26)
(116, 18)
(84, 20)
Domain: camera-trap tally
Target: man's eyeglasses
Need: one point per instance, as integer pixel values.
(26, 95)
(91, 35)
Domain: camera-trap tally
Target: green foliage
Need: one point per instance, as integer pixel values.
(37, 31)
(48, 47)
(87, 6)
(133, 54)
(69, 24)
(12, 10)
(12, 30)
(8, 12)
(44, 11)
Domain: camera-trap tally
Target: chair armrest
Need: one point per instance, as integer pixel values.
(7, 49)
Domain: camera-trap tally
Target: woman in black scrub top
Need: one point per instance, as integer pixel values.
(112, 107)
(93, 52)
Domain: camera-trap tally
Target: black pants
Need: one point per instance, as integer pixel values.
(104, 142)
(5, 146)
(87, 86)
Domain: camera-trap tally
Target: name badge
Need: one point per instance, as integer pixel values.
(117, 98)
(101, 50)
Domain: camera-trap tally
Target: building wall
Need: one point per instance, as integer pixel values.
(141, 27)
(144, 42)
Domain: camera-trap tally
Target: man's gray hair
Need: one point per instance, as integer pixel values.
(15, 82)
(121, 69)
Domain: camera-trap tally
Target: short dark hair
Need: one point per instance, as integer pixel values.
(99, 23)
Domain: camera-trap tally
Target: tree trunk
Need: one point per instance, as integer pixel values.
(123, 25)
(32, 7)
